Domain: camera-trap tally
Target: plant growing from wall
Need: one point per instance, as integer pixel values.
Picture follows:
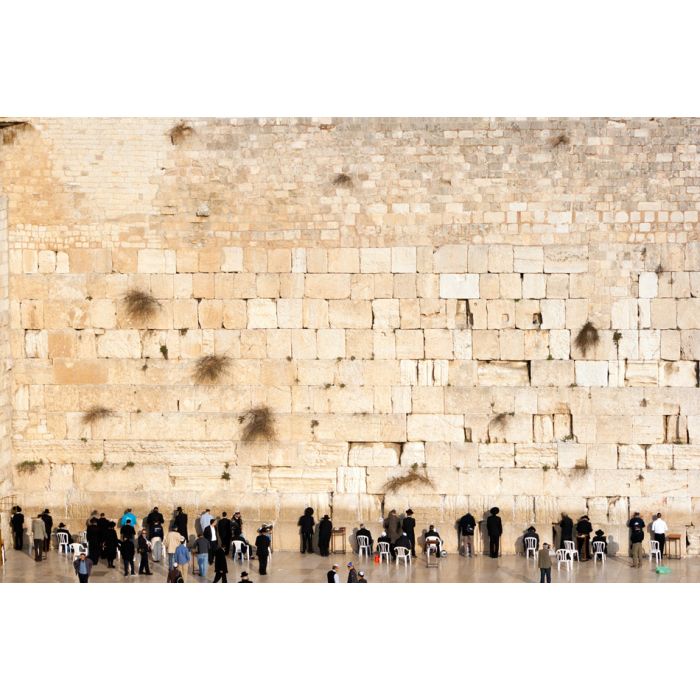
(226, 475)
(128, 465)
(28, 466)
(96, 465)
(587, 338)
(257, 423)
(412, 476)
(559, 140)
(211, 368)
(140, 305)
(617, 337)
(342, 180)
(164, 351)
(95, 414)
(180, 132)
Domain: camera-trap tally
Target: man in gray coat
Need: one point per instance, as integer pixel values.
(393, 526)
(39, 535)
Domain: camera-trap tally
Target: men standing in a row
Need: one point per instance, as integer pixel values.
(408, 524)
(494, 529)
(17, 523)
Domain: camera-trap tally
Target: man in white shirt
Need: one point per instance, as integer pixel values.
(659, 530)
(211, 534)
(205, 519)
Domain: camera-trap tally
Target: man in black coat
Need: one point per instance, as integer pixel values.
(402, 541)
(103, 527)
(262, 548)
(225, 532)
(306, 524)
(127, 530)
(433, 537)
(211, 534)
(566, 527)
(494, 529)
(467, 527)
(48, 524)
(181, 522)
(236, 524)
(154, 518)
(143, 546)
(409, 527)
(94, 539)
(220, 565)
(364, 532)
(583, 537)
(325, 529)
(17, 523)
(126, 546)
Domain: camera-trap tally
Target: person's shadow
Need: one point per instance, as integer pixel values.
(484, 532)
(613, 546)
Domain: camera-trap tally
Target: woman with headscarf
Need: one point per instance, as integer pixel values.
(583, 537)
(325, 528)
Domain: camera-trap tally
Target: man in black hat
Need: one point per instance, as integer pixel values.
(409, 527)
(494, 529)
(306, 524)
(566, 528)
(244, 577)
(155, 518)
(262, 550)
(17, 523)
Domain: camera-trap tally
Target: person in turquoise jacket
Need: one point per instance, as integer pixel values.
(128, 518)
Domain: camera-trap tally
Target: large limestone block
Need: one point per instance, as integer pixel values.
(568, 483)
(375, 260)
(688, 313)
(293, 479)
(619, 482)
(666, 483)
(571, 455)
(565, 258)
(536, 456)
(641, 373)
(120, 344)
(385, 313)
(501, 313)
(602, 456)
(210, 313)
(370, 454)
(441, 428)
(261, 313)
(451, 259)
(454, 286)
(496, 456)
(503, 373)
(552, 373)
(591, 372)
(686, 457)
(678, 374)
(500, 258)
(329, 286)
(528, 258)
(344, 313)
(648, 285)
(511, 428)
(351, 480)
(522, 482)
(79, 372)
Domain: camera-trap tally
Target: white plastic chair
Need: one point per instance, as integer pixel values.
(240, 550)
(571, 550)
(63, 546)
(83, 537)
(531, 546)
(655, 552)
(403, 554)
(431, 547)
(363, 546)
(599, 551)
(384, 551)
(77, 549)
(564, 558)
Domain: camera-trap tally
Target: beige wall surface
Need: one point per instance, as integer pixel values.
(406, 296)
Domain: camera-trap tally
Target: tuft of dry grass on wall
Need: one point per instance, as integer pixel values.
(559, 140)
(140, 305)
(29, 466)
(10, 129)
(257, 423)
(587, 338)
(413, 476)
(342, 180)
(180, 132)
(95, 413)
(97, 465)
(211, 368)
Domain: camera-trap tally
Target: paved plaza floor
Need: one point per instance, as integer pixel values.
(292, 567)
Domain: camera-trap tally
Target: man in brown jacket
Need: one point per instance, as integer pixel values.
(39, 535)
(544, 561)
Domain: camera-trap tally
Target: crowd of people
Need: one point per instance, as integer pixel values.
(217, 537)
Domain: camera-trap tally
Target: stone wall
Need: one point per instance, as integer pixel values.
(398, 292)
